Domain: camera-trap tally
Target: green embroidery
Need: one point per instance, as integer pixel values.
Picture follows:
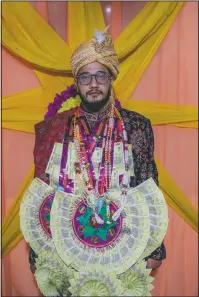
(47, 217)
(89, 230)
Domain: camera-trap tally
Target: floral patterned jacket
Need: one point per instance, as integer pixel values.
(140, 135)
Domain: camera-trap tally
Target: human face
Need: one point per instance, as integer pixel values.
(94, 95)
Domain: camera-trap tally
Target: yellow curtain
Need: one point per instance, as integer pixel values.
(148, 30)
(139, 41)
(28, 36)
(89, 13)
(175, 197)
(44, 49)
(11, 233)
(166, 113)
(19, 117)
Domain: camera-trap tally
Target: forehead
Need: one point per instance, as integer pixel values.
(93, 68)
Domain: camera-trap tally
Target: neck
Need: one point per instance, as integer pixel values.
(86, 108)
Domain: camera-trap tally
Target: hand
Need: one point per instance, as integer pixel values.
(153, 264)
(32, 268)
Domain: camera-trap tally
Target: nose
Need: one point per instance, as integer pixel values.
(93, 82)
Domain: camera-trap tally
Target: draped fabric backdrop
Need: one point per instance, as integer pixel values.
(171, 77)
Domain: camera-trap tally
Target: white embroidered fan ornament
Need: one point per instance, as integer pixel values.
(30, 223)
(101, 35)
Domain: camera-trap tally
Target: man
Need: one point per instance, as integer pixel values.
(95, 66)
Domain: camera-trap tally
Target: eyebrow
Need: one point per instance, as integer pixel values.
(86, 72)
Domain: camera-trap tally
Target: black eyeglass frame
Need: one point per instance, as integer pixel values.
(94, 75)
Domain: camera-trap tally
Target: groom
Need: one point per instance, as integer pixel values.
(95, 66)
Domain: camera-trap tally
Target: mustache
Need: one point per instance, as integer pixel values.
(94, 92)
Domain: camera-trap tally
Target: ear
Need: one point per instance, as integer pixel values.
(75, 83)
(112, 80)
(111, 77)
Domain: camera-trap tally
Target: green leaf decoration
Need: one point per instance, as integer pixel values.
(47, 217)
(137, 281)
(103, 212)
(102, 233)
(84, 219)
(89, 231)
(95, 283)
(94, 288)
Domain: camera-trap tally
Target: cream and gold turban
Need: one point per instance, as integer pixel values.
(98, 49)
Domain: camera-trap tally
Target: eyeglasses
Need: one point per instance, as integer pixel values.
(101, 78)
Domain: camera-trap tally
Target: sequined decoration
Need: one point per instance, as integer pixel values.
(92, 234)
(44, 214)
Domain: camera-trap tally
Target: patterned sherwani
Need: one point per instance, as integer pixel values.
(140, 135)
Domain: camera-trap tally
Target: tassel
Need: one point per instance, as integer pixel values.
(117, 214)
(125, 180)
(98, 219)
(99, 205)
(107, 210)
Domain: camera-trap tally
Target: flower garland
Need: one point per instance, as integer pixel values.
(59, 99)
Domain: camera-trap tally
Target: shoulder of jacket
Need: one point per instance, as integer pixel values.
(59, 117)
(133, 115)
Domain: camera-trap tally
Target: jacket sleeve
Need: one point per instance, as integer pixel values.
(32, 256)
(40, 132)
(46, 134)
(146, 168)
(158, 254)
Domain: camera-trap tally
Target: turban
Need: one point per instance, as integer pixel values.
(99, 49)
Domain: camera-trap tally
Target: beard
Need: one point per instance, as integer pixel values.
(95, 106)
